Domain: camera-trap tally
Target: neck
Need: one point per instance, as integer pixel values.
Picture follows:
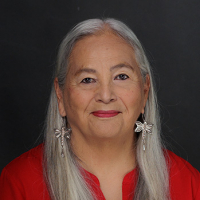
(100, 155)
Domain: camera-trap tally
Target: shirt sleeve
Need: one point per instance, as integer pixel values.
(197, 195)
(184, 179)
(10, 188)
(22, 178)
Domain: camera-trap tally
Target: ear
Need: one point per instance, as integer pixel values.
(146, 90)
(59, 94)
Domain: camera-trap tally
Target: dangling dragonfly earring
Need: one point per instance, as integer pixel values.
(62, 133)
(145, 128)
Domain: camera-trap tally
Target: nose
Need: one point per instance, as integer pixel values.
(105, 93)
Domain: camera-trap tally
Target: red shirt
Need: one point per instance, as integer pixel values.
(23, 179)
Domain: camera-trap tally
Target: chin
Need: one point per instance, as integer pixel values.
(107, 132)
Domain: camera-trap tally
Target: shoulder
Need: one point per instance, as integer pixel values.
(179, 165)
(184, 178)
(23, 178)
(29, 161)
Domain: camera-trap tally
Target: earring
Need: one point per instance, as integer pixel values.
(63, 132)
(145, 128)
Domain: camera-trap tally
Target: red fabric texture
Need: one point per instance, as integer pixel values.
(23, 179)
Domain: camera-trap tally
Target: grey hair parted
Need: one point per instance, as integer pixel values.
(63, 176)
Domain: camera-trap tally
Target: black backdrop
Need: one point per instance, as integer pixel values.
(31, 30)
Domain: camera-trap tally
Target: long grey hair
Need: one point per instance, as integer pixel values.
(63, 175)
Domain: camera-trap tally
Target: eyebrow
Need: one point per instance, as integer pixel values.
(93, 71)
(88, 70)
(121, 65)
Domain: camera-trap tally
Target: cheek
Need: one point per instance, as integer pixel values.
(76, 100)
(132, 99)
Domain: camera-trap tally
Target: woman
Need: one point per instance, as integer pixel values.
(102, 131)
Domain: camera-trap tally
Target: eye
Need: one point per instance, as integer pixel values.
(88, 80)
(121, 77)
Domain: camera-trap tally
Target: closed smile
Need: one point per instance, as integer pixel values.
(105, 113)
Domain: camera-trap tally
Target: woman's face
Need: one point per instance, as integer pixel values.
(104, 93)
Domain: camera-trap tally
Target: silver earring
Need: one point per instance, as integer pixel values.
(62, 133)
(145, 128)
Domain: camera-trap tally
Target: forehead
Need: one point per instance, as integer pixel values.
(105, 49)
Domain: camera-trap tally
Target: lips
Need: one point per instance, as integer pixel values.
(105, 113)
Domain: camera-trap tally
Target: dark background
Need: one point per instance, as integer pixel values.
(31, 31)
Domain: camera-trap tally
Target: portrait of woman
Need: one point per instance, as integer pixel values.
(102, 135)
